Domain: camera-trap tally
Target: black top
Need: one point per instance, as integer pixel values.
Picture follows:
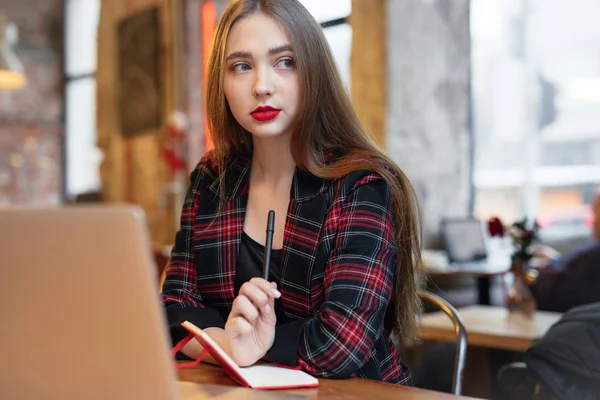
(250, 264)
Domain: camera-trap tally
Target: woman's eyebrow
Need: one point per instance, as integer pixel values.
(239, 54)
(280, 49)
(272, 51)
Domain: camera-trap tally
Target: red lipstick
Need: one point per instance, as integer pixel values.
(265, 113)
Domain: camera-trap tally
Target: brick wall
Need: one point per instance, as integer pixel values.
(31, 118)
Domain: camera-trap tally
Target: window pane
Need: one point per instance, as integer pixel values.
(566, 211)
(498, 202)
(565, 43)
(82, 156)
(81, 26)
(340, 41)
(328, 10)
(499, 87)
(536, 105)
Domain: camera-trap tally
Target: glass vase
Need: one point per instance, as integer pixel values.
(519, 298)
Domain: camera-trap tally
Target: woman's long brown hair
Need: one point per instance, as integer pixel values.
(327, 121)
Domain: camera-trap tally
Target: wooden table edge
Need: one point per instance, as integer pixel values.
(477, 339)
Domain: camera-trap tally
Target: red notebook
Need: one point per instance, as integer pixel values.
(262, 376)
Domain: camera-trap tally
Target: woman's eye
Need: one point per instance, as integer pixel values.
(286, 63)
(240, 67)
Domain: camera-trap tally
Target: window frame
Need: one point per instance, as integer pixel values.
(66, 195)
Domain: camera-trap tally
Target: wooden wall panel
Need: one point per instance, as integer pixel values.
(368, 65)
(133, 170)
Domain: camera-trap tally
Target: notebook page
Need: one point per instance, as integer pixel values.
(272, 377)
(263, 376)
(213, 348)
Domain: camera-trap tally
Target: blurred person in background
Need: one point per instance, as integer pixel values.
(571, 280)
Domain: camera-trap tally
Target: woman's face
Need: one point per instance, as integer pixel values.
(261, 83)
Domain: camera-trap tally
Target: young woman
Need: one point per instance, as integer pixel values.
(346, 244)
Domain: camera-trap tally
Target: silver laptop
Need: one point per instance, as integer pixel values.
(465, 243)
(80, 312)
(464, 240)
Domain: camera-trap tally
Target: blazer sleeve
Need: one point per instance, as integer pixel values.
(180, 294)
(359, 279)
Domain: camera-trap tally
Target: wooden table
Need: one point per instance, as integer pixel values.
(216, 384)
(491, 327)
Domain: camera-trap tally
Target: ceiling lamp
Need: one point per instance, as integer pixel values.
(11, 69)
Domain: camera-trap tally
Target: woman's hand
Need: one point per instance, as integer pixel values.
(251, 322)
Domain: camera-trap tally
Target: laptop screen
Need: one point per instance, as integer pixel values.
(464, 239)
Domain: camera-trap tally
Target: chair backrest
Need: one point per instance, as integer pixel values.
(516, 381)
(461, 337)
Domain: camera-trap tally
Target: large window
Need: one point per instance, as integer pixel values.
(536, 102)
(333, 16)
(82, 155)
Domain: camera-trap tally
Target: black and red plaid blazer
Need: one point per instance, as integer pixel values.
(337, 272)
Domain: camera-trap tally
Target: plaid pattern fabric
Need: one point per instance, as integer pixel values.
(338, 263)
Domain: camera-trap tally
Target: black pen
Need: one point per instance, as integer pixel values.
(268, 244)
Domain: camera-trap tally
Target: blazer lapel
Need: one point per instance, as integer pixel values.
(218, 234)
(306, 213)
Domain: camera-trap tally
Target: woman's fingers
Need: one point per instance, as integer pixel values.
(270, 288)
(255, 294)
(260, 292)
(239, 326)
(255, 300)
(268, 312)
(243, 307)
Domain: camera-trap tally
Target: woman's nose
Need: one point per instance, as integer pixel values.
(263, 85)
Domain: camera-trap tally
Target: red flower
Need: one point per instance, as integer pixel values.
(495, 227)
